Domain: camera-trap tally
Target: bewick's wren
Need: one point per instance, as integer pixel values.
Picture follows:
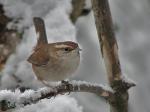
(53, 61)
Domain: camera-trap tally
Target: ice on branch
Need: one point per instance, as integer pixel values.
(105, 87)
(127, 80)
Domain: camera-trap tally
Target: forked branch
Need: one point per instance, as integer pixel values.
(109, 50)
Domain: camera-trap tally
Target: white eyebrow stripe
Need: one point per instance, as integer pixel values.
(61, 46)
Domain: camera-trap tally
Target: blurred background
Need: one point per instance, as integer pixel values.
(132, 27)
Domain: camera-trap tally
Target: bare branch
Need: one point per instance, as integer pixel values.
(109, 49)
(30, 96)
(78, 6)
(78, 10)
(40, 30)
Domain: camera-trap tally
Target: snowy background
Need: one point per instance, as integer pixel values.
(132, 18)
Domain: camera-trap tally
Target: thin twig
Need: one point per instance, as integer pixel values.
(78, 6)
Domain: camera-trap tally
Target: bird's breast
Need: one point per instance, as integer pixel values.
(56, 71)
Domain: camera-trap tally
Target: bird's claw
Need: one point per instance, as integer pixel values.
(67, 85)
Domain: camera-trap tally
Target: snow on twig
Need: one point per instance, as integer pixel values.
(9, 99)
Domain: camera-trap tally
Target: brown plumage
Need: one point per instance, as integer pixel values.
(53, 61)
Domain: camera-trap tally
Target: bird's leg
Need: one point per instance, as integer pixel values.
(67, 85)
(64, 82)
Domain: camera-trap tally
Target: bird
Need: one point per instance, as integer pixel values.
(53, 62)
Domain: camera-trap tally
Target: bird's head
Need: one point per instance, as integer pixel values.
(67, 49)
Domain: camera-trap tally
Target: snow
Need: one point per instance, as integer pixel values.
(59, 28)
(57, 104)
(105, 87)
(125, 78)
(132, 17)
(29, 96)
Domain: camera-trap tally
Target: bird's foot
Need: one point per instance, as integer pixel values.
(67, 85)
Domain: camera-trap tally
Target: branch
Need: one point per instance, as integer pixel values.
(109, 50)
(9, 99)
(78, 10)
(3, 20)
(109, 47)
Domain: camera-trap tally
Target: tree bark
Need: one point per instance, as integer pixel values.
(109, 50)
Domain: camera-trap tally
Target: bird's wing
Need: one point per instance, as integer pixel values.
(39, 57)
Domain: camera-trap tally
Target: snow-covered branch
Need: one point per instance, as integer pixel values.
(9, 99)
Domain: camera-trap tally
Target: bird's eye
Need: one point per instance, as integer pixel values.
(66, 49)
